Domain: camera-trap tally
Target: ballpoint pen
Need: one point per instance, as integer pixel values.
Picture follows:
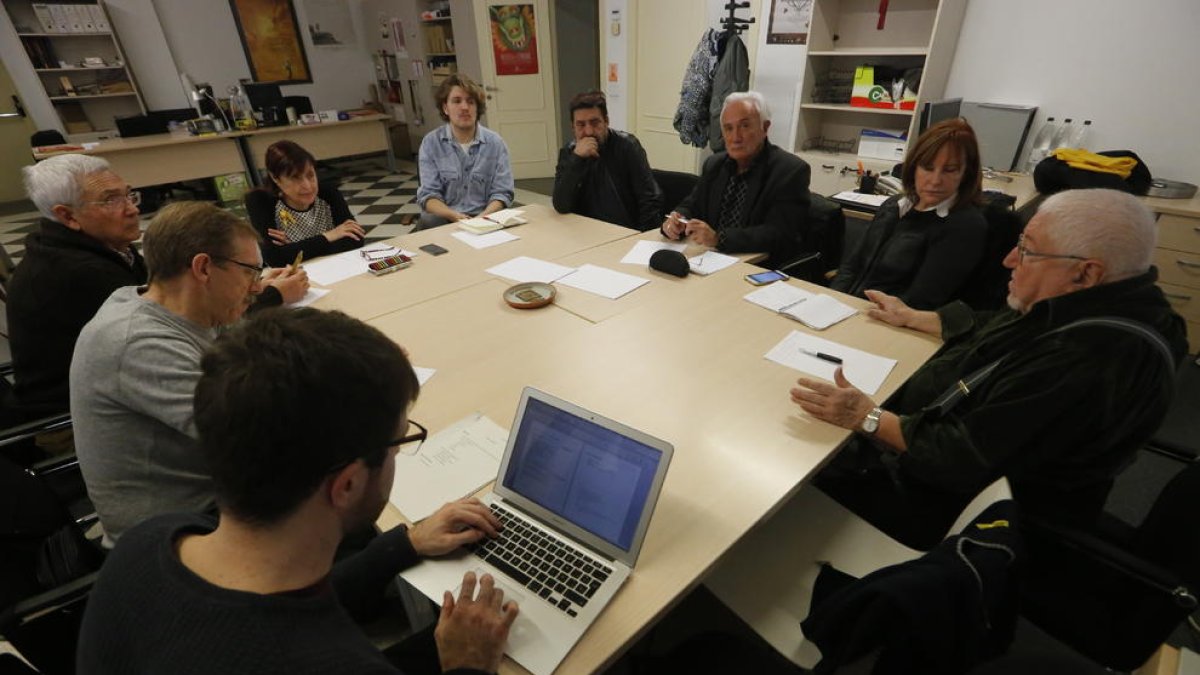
(823, 356)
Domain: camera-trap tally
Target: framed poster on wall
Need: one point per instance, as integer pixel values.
(271, 39)
(514, 39)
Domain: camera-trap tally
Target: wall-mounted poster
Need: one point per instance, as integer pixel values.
(789, 22)
(271, 39)
(514, 39)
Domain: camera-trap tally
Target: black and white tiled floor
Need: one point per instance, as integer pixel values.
(382, 201)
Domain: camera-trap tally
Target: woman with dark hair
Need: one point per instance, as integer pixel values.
(924, 243)
(294, 213)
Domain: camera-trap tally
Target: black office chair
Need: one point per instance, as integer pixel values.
(1116, 592)
(675, 185)
(822, 242)
(987, 287)
(1179, 433)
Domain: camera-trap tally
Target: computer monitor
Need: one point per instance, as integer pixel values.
(937, 111)
(264, 95)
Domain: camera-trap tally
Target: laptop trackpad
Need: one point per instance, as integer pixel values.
(523, 632)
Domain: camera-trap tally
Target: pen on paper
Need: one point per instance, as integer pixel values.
(823, 356)
(296, 263)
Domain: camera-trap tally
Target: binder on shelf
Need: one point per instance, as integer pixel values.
(99, 18)
(59, 14)
(85, 16)
(74, 18)
(42, 11)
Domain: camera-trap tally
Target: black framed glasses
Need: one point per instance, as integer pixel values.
(257, 269)
(408, 444)
(114, 202)
(1023, 252)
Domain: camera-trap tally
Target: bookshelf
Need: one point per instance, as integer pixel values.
(437, 31)
(79, 62)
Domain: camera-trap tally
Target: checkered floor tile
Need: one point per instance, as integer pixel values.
(381, 201)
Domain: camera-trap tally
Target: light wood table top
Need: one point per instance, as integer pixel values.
(548, 235)
(684, 363)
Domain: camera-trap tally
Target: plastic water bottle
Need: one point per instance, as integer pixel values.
(1063, 136)
(1041, 144)
(1079, 137)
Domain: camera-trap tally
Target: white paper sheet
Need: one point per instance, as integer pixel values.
(485, 240)
(820, 311)
(524, 268)
(776, 296)
(423, 374)
(332, 269)
(874, 201)
(864, 370)
(451, 464)
(710, 261)
(602, 281)
(642, 250)
(314, 294)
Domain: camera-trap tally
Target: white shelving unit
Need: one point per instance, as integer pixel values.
(842, 36)
(101, 94)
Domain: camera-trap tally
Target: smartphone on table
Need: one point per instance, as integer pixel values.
(433, 249)
(764, 278)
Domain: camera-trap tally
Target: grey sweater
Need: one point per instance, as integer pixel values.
(133, 375)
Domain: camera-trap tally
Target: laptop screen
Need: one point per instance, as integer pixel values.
(585, 473)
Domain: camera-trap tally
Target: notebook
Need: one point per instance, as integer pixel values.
(576, 492)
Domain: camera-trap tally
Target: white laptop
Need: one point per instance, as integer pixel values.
(579, 489)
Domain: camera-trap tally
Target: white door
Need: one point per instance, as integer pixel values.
(15, 130)
(661, 56)
(518, 77)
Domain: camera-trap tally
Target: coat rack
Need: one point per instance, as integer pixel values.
(734, 23)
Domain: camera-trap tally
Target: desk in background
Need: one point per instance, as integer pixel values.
(681, 359)
(168, 158)
(329, 140)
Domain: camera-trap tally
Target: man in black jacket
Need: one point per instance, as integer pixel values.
(82, 251)
(604, 173)
(751, 198)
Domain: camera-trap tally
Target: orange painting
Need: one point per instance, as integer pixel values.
(271, 38)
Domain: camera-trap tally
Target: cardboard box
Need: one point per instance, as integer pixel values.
(882, 144)
(231, 187)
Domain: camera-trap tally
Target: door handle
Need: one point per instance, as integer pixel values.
(17, 107)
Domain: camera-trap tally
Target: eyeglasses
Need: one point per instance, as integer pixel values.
(257, 269)
(408, 444)
(1023, 252)
(118, 201)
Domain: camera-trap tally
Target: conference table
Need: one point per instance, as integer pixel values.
(168, 158)
(681, 359)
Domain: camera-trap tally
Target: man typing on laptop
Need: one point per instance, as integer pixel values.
(256, 590)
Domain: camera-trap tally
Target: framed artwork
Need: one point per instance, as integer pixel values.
(271, 39)
(514, 39)
(789, 22)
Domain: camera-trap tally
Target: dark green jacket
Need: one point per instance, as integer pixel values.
(1061, 416)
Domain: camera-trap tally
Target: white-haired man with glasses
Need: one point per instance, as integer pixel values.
(81, 251)
(136, 363)
(1055, 393)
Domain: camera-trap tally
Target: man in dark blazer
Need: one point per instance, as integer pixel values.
(753, 197)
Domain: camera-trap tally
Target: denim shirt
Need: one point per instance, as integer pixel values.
(468, 181)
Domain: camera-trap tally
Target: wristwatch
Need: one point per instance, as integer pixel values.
(870, 423)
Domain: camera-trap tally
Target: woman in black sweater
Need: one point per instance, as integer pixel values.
(923, 244)
(294, 213)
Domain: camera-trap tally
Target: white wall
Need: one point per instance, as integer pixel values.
(1130, 67)
(204, 41)
(137, 25)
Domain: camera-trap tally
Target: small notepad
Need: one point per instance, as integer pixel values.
(819, 312)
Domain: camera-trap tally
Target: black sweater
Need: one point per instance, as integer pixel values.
(616, 187)
(63, 279)
(260, 207)
(149, 614)
(922, 258)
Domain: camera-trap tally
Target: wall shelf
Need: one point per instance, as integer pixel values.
(60, 99)
(842, 107)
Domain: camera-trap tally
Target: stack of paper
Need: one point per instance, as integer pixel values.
(710, 261)
(450, 465)
(602, 281)
(493, 221)
(485, 240)
(815, 311)
(524, 268)
(642, 250)
(864, 370)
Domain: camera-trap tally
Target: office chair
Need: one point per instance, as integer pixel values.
(822, 242)
(47, 137)
(987, 286)
(675, 185)
(1115, 592)
(1179, 434)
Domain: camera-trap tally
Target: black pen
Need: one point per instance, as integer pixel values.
(824, 357)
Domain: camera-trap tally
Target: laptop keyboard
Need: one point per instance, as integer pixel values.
(558, 573)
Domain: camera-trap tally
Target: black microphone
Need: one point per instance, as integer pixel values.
(671, 262)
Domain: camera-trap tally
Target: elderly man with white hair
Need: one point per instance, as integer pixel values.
(753, 197)
(80, 253)
(1056, 393)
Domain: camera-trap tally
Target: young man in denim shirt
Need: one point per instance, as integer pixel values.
(465, 169)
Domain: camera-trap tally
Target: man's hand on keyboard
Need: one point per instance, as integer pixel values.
(471, 631)
(455, 524)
